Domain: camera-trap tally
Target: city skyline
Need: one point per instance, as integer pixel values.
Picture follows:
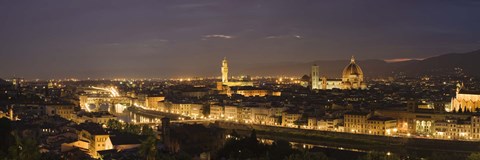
(106, 39)
(238, 79)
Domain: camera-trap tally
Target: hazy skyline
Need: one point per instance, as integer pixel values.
(156, 38)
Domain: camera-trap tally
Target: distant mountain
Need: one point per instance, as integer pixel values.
(469, 62)
(331, 69)
(3, 82)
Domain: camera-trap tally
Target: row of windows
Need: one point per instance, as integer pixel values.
(355, 120)
(356, 116)
(101, 139)
(364, 126)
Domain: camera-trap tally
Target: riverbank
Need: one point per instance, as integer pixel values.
(398, 145)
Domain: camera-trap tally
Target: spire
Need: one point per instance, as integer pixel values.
(224, 61)
(459, 87)
(224, 69)
(352, 60)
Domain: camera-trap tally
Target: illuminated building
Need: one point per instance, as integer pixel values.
(366, 123)
(377, 125)
(2, 114)
(217, 112)
(325, 124)
(304, 81)
(231, 113)
(315, 77)
(290, 118)
(95, 117)
(458, 129)
(356, 122)
(96, 137)
(331, 83)
(352, 78)
(452, 129)
(475, 133)
(64, 111)
(312, 123)
(465, 100)
(187, 109)
(17, 82)
(249, 91)
(245, 114)
(419, 119)
(152, 102)
(224, 70)
(11, 116)
(225, 85)
(261, 115)
(95, 97)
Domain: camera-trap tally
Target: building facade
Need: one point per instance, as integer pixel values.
(315, 77)
(465, 100)
(217, 112)
(352, 78)
(152, 102)
(289, 119)
(225, 84)
(366, 123)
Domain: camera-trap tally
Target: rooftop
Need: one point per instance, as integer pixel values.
(380, 118)
(92, 128)
(357, 113)
(464, 91)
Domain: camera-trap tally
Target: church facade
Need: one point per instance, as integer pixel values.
(352, 78)
(465, 100)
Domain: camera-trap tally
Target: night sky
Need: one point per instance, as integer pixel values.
(174, 38)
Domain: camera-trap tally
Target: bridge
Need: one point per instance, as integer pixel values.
(109, 96)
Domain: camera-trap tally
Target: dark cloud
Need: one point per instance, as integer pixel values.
(120, 38)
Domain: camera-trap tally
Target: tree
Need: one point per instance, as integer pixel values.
(206, 110)
(445, 156)
(148, 148)
(49, 156)
(5, 135)
(305, 155)
(131, 128)
(146, 130)
(280, 149)
(474, 156)
(183, 156)
(379, 156)
(253, 136)
(164, 156)
(24, 148)
(300, 121)
(235, 134)
(242, 148)
(114, 124)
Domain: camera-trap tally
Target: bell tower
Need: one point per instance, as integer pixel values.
(224, 70)
(315, 77)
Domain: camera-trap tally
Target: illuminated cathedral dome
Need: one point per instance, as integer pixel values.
(352, 69)
(352, 77)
